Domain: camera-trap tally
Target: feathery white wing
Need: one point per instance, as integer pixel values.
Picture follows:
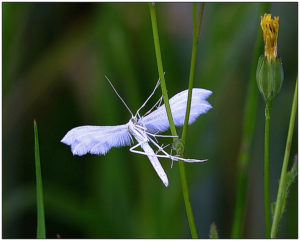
(97, 139)
(157, 121)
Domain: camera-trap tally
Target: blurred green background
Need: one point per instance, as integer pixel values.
(55, 56)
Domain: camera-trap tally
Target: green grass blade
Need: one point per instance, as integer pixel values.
(213, 232)
(196, 33)
(185, 190)
(290, 178)
(41, 230)
(247, 137)
(172, 126)
(281, 195)
(266, 170)
(160, 69)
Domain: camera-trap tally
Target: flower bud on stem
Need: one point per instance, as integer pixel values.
(269, 77)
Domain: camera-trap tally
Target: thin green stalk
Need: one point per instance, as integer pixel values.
(249, 117)
(186, 197)
(160, 69)
(281, 190)
(266, 169)
(172, 126)
(185, 190)
(213, 232)
(196, 33)
(41, 230)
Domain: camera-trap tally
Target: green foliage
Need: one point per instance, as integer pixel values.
(196, 31)
(289, 179)
(41, 229)
(286, 178)
(213, 233)
(267, 169)
(248, 127)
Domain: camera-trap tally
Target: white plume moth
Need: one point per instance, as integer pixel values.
(100, 139)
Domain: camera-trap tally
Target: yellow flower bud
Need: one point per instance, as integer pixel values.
(269, 72)
(270, 29)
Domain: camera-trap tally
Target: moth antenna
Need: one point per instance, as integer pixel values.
(156, 86)
(118, 94)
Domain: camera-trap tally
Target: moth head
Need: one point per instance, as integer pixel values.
(134, 120)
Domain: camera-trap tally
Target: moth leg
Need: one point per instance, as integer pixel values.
(151, 134)
(141, 127)
(138, 114)
(167, 155)
(132, 149)
(155, 135)
(155, 139)
(136, 146)
(172, 159)
(147, 154)
(156, 86)
(157, 104)
(159, 101)
(162, 147)
(175, 158)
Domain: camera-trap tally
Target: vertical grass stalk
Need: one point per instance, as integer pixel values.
(246, 142)
(41, 230)
(266, 169)
(196, 32)
(269, 77)
(213, 232)
(172, 126)
(161, 69)
(249, 118)
(281, 190)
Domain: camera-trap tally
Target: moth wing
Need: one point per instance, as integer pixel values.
(157, 121)
(97, 139)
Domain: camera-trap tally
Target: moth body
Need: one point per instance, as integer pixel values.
(138, 131)
(155, 163)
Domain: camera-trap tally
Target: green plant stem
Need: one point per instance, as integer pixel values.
(160, 69)
(266, 169)
(196, 33)
(186, 197)
(280, 194)
(188, 207)
(185, 190)
(249, 118)
(213, 232)
(247, 137)
(41, 230)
